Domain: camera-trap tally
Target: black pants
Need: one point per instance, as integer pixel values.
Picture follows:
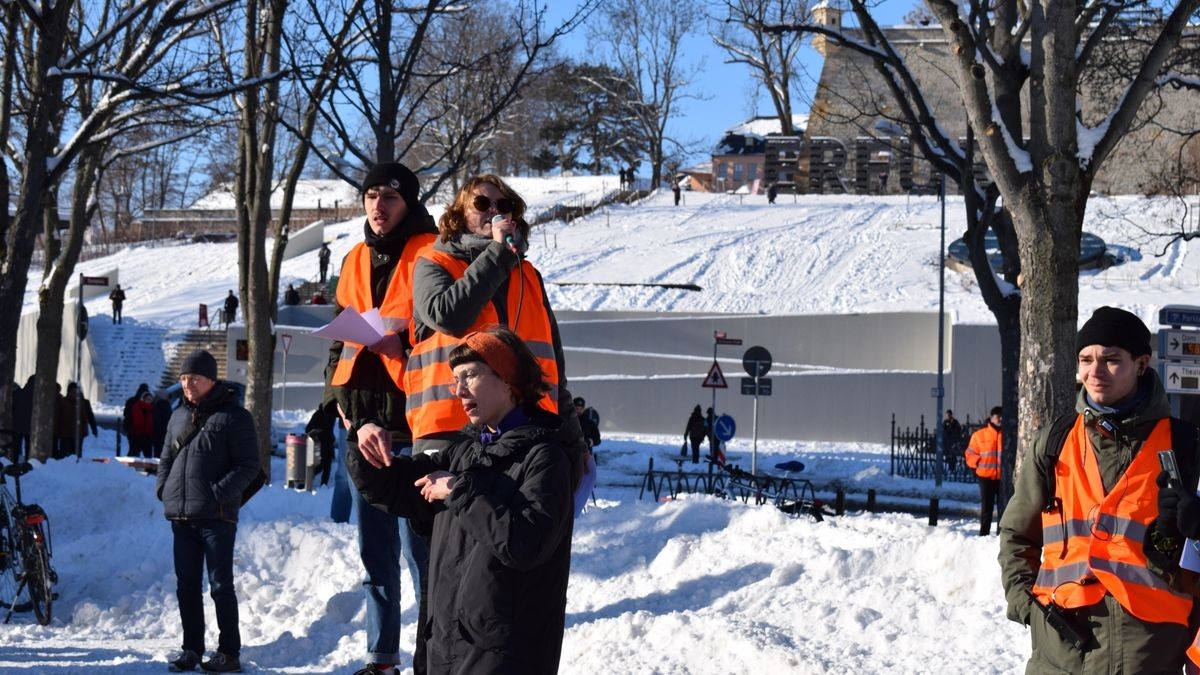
(696, 449)
(201, 544)
(989, 490)
(116, 317)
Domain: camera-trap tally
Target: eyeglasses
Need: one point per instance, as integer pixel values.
(482, 204)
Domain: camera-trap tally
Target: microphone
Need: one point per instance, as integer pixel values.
(508, 238)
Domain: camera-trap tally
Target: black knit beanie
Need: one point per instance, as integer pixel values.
(199, 362)
(1112, 327)
(396, 176)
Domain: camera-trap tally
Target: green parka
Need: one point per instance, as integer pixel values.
(1123, 643)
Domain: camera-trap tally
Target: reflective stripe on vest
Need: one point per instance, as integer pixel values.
(984, 448)
(1101, 552)
(430, 406)
(354, 290)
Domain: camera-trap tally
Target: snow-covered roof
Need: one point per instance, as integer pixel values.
(310, 194)
(766, 125)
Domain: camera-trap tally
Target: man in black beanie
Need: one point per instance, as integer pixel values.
(365, 382)
(210, 457)
(1093, 530)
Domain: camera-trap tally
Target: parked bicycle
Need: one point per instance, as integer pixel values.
(26, 577)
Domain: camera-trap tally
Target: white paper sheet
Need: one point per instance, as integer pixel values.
(350, 326)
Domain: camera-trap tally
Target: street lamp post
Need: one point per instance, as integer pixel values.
(940, 441)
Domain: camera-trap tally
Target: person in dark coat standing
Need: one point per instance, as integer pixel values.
(67, 432)
(162, 418)
(117, 296)
(676, 190)
(501, 506)
(210, 459)
(695, 432)
(22, 409)
(772, 191)
(710, 426)
(323, 261)
(291, 296)
(951, 440)
(231, 306)
(320, 429)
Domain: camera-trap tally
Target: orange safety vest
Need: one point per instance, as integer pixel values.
(430, 406)
(983, 452)
(1092, 541)
(354, 290)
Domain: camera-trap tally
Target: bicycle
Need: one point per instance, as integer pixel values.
(26, 577)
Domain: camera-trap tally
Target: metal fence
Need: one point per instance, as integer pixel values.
(914, 453)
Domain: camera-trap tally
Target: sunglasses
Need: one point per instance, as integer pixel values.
(482, 204)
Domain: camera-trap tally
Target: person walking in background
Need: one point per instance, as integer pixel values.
(231, 306)
(772, 192)
(291, 296)
(951, 440)
(117, 296)
(694, 432)
(323, 260)
(714, 444)
(676, 191)
(210, 459)
(363, 382)
(67, 432)
(500, 501)
(141, 426)
(983, 455)
(1090, 541)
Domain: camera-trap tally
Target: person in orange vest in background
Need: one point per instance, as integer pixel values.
(1089, 544)
(983, 455)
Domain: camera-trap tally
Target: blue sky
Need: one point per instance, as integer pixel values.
(728, 92)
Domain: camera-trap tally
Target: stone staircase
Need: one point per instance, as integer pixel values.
(211, 340)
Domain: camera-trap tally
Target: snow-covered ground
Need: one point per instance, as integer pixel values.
(693, 585)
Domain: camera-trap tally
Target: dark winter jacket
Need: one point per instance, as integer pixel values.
(500, 551)
(370, 395)
(204, 479)
(696, 428)
(448, 305)
(64, 418)
(1126, 644)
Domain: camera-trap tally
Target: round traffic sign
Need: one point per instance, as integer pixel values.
(757, 361)
(724, 427)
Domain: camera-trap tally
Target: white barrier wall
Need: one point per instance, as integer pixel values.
(835, 377)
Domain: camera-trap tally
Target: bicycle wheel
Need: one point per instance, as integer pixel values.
(11, 569)
(38, 579)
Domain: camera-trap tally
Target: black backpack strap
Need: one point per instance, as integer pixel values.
(1059, 429)
(1183, 442)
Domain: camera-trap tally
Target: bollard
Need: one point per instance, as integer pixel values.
(870, 501)
(933, 511)
(839, 502)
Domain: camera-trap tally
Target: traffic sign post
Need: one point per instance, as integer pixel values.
(1181, 379)
(724, 427)
(757, 362)
(719, 338)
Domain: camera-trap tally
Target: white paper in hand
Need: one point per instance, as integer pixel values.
(350, 326)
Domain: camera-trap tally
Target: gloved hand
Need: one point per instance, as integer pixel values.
(1178, 509)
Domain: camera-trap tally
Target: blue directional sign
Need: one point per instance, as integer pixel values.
(724, 427)
(1179, 315)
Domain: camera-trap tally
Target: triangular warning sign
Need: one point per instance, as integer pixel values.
(715, 378)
